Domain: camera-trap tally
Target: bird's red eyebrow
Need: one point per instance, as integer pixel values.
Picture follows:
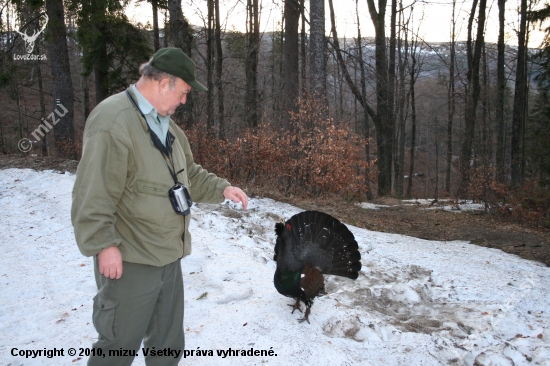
(288, 227)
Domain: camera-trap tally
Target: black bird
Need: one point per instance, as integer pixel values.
(309, 245)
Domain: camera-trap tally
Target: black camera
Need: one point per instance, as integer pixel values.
(181, 200)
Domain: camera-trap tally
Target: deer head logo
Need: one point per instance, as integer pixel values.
(29, 40)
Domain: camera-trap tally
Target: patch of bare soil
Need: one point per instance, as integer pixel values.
(27, 161)
(413, 220)
(479, 228)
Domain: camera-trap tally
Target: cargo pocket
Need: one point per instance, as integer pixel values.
(104, 316)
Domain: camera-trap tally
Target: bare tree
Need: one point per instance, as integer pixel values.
(210, 49)
(414, 71)
(317, 45)
(501, 85)
(384, 125)
(62, 82)
(181, 35)
(252, 52)
(219, 71)
(291, 75)
(451, 102)
(402, 57)
(520, 100)
(473, 90)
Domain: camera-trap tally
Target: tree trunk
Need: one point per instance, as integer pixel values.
(401, 135)
(317, 61)
(44, 142)
(291, 75)
(501, 85)
(392, 83)
(210, 67)
(413, 118)
(520, 100)
(156, 37)
(62, 83)
(451, 102)
(219, 71)
(252, 51)
(384, 128)
(473, 92)
(181, 35)
(303, 51)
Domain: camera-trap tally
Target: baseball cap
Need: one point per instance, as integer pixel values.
(173, 61)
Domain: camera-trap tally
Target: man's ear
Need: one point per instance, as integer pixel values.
(164, 85)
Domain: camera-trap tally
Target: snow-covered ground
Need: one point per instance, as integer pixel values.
(416, 302)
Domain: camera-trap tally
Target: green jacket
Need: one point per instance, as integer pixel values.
(120, 196)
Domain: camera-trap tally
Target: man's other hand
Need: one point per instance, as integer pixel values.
(236, 195)
(110, 263)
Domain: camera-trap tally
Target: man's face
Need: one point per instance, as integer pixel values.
(171, 99)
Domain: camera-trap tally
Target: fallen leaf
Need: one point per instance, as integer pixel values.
(65, 314)
(59, 321)
(203, 296)
(82, 265)
(485, 313)
(539, 336)
(244, 325)
(77, 359)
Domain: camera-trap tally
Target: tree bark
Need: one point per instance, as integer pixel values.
(62, 83)
(384, 128)
(44, 142)
(501, 85)
(156, 37)
(401, 133)
(317, 43)
(210, 49)
(392, 82)
(451, 102)
(413, 74)
(219, 71)
(180, 33)
(473, 92)
(520, 100)
(291, 75)
(252, 51)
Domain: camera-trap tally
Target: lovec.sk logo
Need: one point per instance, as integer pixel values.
(29, 44)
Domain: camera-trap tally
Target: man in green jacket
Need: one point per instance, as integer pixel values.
(133, 155)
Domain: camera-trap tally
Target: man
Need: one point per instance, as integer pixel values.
(133, 155)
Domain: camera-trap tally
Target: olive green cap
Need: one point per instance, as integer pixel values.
(173, 61)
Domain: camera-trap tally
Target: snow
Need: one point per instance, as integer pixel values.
(447, 205)
(415, 302)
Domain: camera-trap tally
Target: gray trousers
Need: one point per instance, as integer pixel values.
(146, 303)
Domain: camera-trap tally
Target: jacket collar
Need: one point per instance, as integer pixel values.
(165, 150)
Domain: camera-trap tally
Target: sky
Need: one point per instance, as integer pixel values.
(431, 18)
(416, 302)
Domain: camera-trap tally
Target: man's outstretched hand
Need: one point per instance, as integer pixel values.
(236, 195)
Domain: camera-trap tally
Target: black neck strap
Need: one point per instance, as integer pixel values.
(165, 149)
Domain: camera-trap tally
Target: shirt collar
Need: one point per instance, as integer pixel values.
(144, 105)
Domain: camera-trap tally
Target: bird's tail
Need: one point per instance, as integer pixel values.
(326, 242)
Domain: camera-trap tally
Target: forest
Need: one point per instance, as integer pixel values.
(298, 108)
